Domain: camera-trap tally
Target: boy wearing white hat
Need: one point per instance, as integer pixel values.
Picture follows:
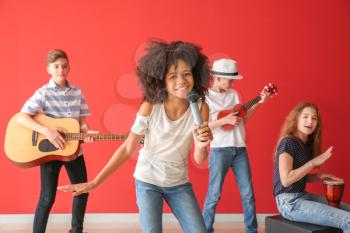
(228, 148)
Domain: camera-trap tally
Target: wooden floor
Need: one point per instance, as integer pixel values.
(131, 227)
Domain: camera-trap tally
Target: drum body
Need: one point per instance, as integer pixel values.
(333, 191)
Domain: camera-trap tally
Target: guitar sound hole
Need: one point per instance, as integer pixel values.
(46, 146)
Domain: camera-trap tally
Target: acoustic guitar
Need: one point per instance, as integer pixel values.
(27, 148)
(241, 110)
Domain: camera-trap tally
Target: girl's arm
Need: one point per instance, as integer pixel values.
(120, 156)
(322, 176)
(202, 136)
(288, 175)
(313, 177)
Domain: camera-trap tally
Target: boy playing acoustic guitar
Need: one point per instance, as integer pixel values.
(228, 148)
(58, 99)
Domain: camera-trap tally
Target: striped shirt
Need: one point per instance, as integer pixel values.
(301, 154)
(51, 100)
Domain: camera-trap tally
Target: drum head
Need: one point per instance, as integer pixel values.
(333, 182)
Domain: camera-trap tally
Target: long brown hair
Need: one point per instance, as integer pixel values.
(290, 127)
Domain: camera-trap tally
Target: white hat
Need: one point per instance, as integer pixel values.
(225, 68)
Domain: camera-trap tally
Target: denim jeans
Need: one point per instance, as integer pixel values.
(49, 173)
(310, 208)
(180, 199)
(221, 159)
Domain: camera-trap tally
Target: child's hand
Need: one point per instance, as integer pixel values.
(267, 93)
(322, 158)
(54, 135)
(90, 139)
(264, 96)
(324, 176)
(77, 189)
(202, 135)
(232, 119)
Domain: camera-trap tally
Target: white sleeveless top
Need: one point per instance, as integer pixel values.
(163, 160)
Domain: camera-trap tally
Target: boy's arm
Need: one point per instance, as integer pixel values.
(250, 113)
(52, 134)
(217, 123)
(264, 98)
(84, 127)
(229, 119)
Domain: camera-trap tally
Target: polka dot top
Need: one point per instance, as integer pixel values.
(301, 154)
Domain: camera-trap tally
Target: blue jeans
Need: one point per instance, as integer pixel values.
(180, 199)
(49, 173)
(310, 208)
(221, 159)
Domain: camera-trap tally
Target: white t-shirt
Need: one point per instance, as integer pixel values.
(224, 101)
(163, 160)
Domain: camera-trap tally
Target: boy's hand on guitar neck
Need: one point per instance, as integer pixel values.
(264, 97)
(54, 135)
(90, 138)
(266, 93)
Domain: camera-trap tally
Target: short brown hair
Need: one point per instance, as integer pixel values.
(55, 54)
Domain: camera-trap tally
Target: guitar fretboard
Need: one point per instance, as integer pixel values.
(97, 137)
(252, 102)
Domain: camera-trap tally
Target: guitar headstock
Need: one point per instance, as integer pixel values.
(270, 89)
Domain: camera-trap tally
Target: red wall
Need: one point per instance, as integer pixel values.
(301, 46)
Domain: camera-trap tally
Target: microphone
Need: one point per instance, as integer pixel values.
(192, 98)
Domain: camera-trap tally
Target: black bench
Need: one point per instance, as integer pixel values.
(277, 224)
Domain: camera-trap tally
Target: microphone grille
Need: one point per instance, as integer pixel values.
(192, 96)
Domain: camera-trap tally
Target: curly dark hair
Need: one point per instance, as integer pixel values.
(152, 68)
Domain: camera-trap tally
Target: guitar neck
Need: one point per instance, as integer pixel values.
(252, 102)
(97, 137)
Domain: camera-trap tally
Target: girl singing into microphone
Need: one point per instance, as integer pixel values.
(167, 73)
